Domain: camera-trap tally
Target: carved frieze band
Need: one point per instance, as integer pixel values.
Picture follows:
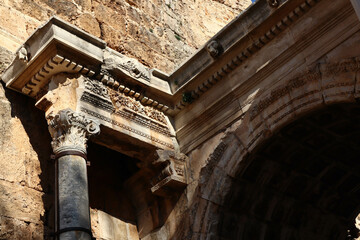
(319, 72)
(213, 159)
(126, 127)
(249, 51)
(276, 94)
(121, 101)
(124, 106)
(129, 115)
(346, 65)
(70, 131)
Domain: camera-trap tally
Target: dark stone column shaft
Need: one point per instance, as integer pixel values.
(70, 131)
(73, 198)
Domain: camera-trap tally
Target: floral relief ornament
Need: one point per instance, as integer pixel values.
(70, 131)
(120, 101)
(96, 87)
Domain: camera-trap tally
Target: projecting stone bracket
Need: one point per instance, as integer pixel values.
(170, 170)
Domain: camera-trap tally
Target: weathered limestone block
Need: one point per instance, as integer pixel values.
(20, 202)
(88, 22)
(59, 86)
(13, 229)
(16, 23)
(110, 228)
(23, 171)
(5, 58)
(21, 162)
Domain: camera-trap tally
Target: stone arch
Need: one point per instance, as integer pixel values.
(325, 84)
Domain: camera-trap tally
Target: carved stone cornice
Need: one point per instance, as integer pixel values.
(243, 55)
(301, 24)
(70, 131)
(54, 65)
(170, 168)
(58, 64)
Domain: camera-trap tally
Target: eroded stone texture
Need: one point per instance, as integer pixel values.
(5, 58)
(26, 182)
(158, 33)
(11, 228)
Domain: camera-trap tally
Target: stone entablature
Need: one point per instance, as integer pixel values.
(125, 114)
(189, 96)
(60, 47)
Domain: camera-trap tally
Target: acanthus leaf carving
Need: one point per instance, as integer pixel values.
(70, 131)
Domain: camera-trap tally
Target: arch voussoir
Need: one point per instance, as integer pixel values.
(325, 84)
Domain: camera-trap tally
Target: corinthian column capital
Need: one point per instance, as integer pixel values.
(70, 131)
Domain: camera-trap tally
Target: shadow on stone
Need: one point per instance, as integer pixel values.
(34, 123)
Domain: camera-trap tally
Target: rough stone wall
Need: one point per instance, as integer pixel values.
(159, 33)
(26, 174)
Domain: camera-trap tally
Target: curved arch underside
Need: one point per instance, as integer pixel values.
(302, 183)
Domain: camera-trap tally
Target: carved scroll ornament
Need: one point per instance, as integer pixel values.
(70, 131)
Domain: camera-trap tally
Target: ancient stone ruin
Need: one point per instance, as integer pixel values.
(108, 132)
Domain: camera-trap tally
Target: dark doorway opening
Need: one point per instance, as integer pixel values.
(107, 173)
(302, 183)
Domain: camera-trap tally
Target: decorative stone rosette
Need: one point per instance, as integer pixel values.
(70, 131)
